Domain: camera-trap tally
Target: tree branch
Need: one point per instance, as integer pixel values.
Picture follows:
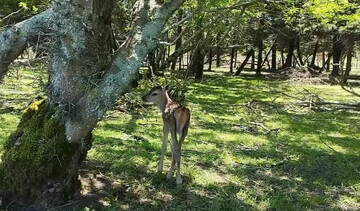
(123, 67)
(14, 40)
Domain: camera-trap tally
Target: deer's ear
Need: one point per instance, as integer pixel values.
(167, 88)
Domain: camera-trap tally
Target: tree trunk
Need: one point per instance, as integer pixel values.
(210, 59)
(43, 173)
(336, 55)
(328, 62)
(151, 64)
(242, 66)
(85, 81)
(252, 60)
(273, 54)
(180, 62)
(178, 41)
(198, 56)
(312, 64)
(197, 63)
(298, 49)
(290, 55)
(235, 61)
(273, 58)
(349, 55)
(259, 60)
(218, 57)
(232, 60)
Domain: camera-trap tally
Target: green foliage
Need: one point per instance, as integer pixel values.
(30, 7)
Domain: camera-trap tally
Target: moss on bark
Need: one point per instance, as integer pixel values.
(39, 166)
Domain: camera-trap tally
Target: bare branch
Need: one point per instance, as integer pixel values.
(239, 5)
(11, 14)
(177, 23)
(229, 28)
(350, 90)
(14, 40)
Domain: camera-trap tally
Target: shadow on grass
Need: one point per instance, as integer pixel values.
(292, 170)
(124, 180)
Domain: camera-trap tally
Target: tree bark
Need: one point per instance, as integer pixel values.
(290, 55)
(312, 64)
(273, 58)
(122, 69)
(232, 56)
(298, 49)
(253, 60)
(177, 43)
(242, 66)
(14, 40)
(235, 61)
(259, 60)
(85, 81)
(198, 56)
(349, 55)
(218, 57)
(336, 55)
(151, 64)
(210, 59)
(197, 64)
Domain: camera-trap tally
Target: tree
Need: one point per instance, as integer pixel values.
(85, 80)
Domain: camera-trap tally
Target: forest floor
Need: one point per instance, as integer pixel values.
(253, 144)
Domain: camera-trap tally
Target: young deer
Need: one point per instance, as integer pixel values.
(176, 120)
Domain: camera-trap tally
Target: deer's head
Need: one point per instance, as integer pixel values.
(157, 95)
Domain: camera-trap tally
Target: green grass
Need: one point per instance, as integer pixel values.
(16, 92)
(311, 161)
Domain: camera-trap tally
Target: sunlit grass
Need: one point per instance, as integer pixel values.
(310, 161)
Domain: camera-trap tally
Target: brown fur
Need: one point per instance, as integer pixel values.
(176, 119)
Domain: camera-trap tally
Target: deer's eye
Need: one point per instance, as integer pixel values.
(154, 94)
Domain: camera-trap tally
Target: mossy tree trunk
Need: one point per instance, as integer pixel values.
(39, 166)
(40, 162)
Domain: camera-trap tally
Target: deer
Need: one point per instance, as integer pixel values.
(176, 120)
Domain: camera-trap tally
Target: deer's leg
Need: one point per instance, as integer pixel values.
(173, 163)
(182, 138)
(178, 158)
(164, 147)
(174, 147)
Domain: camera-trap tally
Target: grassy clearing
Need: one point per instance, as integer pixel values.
(311, 160)
(17, 91)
